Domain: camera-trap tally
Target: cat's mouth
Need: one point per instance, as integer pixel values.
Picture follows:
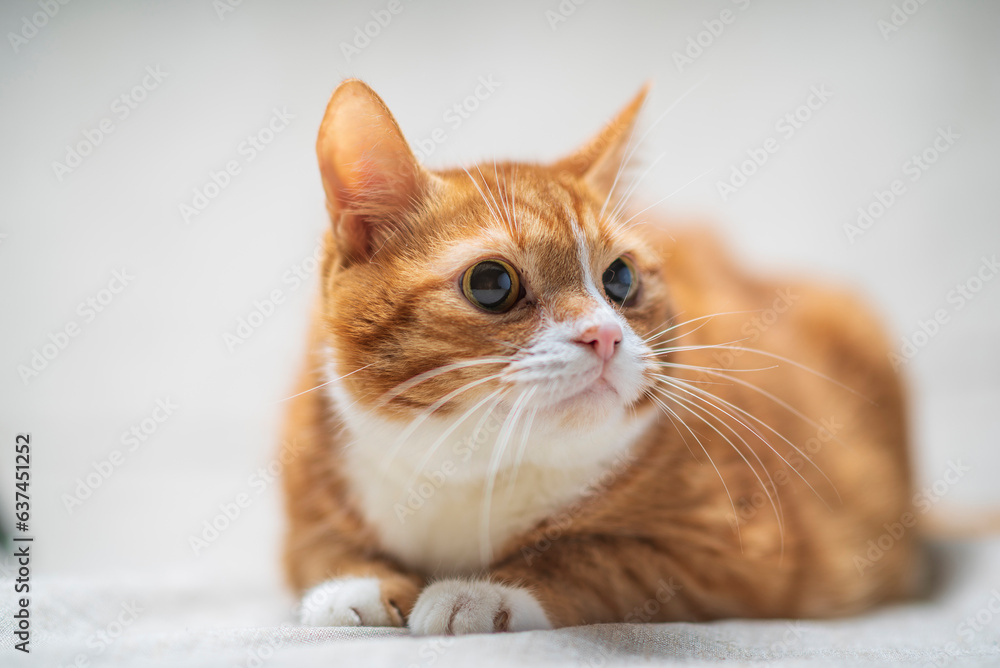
(584, 394)
(578, 385)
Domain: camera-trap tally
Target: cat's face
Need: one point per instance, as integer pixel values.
(504, 286)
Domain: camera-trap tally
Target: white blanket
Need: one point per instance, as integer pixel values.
(173, 622)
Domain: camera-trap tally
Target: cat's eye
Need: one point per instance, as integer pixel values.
(492, 285)
(620, 280)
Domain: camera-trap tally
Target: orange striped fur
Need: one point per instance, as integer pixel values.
(757, 439)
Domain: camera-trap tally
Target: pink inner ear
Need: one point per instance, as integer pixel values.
(358, 180)
(370, 163)
(370, 175)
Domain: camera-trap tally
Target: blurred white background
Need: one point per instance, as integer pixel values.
(560, 70)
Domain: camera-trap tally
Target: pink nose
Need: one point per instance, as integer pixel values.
(604, 338)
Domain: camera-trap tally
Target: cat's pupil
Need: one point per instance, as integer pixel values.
(491, 285)
(618, 279)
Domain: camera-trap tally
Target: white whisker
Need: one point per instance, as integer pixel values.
(781, 358)
(732, 504)
(707, 318)
(494, 214)
(664, 199)
(631, 148)
(449, 431)
(700, 413)
(679, 384)
(499, 447)
(519, 457)
(437, 371)
(780, 402)
(419, 420)
(333, 380)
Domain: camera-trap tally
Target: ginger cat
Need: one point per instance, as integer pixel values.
(523, 409)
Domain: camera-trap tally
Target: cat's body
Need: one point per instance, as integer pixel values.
(708, 445)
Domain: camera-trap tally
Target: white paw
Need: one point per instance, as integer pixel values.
(346, 602)
(455, 607)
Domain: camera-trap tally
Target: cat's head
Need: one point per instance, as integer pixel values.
(502, 285)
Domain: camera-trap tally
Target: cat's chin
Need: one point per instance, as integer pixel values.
(595, 403)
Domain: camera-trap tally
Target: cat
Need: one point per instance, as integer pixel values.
(524, 408)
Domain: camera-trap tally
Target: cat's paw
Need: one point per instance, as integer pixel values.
(455, 607)
(348, 601)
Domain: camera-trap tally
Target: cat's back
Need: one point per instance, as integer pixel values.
(802, 319)
(805, 367)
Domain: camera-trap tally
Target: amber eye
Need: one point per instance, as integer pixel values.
(492, 285)
(620, 280)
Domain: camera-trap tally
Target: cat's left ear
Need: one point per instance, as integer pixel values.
(599, 161)
(371, 177)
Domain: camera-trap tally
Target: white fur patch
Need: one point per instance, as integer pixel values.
(457, 607)
(346, 601)
(561, 368)
(430, 516)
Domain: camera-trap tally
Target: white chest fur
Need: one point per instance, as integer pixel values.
(436, 512)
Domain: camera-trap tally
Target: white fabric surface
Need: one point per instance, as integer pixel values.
(61, 240)
(190, 623)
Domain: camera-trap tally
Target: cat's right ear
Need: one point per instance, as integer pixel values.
(601, 160)
(370, 175)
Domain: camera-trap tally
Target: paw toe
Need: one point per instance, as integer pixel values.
(346, 602)
(458, 607)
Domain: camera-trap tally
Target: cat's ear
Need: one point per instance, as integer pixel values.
(370, 175)
(599, 161)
